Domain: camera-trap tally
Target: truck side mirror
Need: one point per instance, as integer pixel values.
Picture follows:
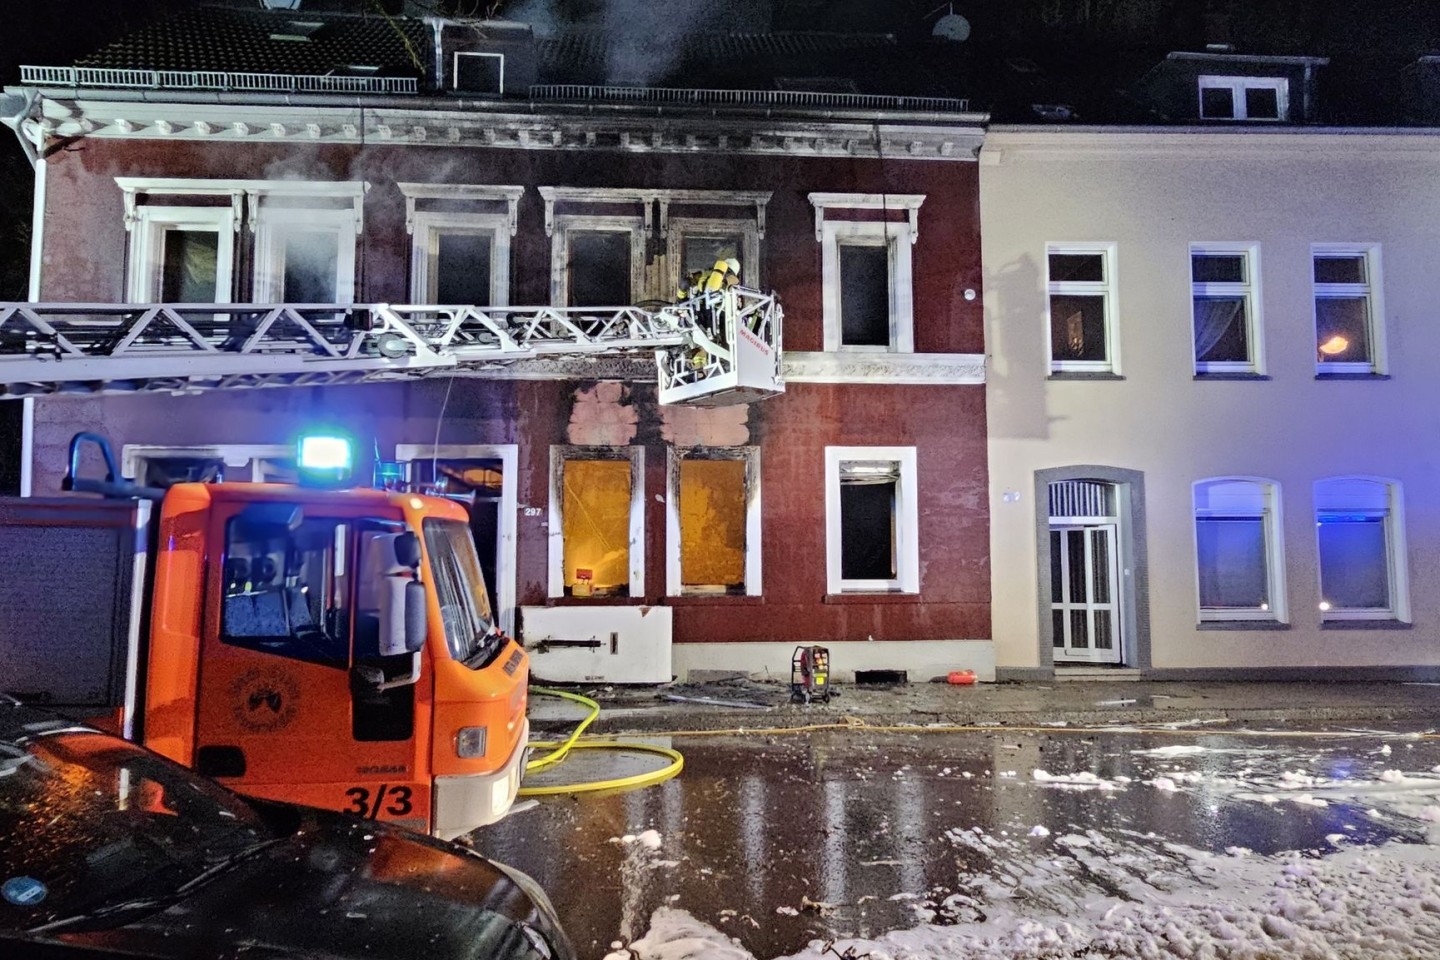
(407, 550)
(402, 616)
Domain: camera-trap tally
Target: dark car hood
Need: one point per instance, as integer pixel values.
(338, 887)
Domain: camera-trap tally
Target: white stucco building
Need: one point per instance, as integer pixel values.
(1213, 399)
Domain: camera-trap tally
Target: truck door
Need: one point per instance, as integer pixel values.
(281, 714)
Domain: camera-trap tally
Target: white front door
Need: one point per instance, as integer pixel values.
(1084, 593)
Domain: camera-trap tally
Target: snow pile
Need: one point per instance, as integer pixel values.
(1374, 903)
(1083, 780)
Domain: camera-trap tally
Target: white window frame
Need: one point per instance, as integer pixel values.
(272, 224)
(559, 454)
(566, 224)
(455, 67)
(147, 251)
(1272, 527)
(674, 584)
(1237, 87)
(132, 455)
(907, 521)
(1370, 291)
(682, 227)
(1249, 291)
(1105, 289)
(897, 238)
(425, 249)
(1396, 570)
(509, 456)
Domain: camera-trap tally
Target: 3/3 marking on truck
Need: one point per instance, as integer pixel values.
(398, 796)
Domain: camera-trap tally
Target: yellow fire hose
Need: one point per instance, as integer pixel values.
(559, 749)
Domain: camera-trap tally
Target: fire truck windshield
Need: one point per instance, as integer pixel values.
(460, 586)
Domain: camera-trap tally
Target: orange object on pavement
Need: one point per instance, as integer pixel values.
(960, 677)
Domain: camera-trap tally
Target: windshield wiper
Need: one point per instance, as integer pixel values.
(487, 645)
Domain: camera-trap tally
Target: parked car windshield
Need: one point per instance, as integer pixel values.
(89, 823)
(464, 604)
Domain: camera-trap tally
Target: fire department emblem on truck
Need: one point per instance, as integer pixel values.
(263, 700)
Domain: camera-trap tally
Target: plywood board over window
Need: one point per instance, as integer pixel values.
(714, 521)
(596, 522)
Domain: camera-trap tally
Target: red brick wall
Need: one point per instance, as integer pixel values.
(84, 260)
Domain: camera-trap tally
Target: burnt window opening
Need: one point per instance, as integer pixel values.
(864, 295)
(868, 513)
(599, 269)
(189, 272)
(311, 265)
(463, 268)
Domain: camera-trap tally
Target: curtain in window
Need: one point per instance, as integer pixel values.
(1213, 319)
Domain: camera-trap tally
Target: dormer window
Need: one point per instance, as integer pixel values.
(1244, 98)
(480, 73)
(297, 31)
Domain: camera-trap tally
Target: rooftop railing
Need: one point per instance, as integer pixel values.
(116, 78)
(746, 98)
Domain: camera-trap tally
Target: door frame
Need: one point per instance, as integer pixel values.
(509, 456)
(1134, 579)
(1085, 525)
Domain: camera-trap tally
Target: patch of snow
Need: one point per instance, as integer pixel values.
(1039, 831)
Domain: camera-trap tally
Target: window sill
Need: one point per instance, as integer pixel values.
(713, 600)
(1082, 375)
(857, 597)
(1366, 625)
(1232, 376)
(1241, 625)
(596, 602)
(1352, 376)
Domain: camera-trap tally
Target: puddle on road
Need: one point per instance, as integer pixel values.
(781, 841)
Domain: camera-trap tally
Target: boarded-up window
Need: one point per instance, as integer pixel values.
(596, 527)
(712, 525)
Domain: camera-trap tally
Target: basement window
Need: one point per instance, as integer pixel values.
(597, 507)
(714, 521)
(871, 520)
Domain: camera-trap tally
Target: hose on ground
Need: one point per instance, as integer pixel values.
(560, 749)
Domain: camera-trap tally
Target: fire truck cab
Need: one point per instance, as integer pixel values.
(312, 643)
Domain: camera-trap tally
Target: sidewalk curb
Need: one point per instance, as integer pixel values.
(660, 721)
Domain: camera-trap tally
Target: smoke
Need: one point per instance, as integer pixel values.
(647, 39)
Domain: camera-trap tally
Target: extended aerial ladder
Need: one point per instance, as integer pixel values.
(718, 348)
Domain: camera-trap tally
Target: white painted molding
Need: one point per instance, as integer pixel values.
(934, 369)
(251, 191)
(909, 202)
(636, 131)
(881, 369)
(509, 195)
(664, 198)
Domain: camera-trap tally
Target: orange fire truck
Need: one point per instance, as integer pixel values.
(307, 643)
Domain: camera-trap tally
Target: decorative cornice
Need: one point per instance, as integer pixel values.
(557, 129)
(877, 369)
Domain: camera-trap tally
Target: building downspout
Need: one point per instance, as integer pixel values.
(437, 26)
(37, 238)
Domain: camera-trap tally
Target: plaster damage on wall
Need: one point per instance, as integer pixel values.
(603, 416)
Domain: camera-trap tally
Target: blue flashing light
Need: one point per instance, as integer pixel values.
(324, 460)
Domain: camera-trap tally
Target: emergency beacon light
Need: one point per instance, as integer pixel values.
(324, 460)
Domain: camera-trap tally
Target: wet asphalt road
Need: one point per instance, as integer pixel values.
(889, 830)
